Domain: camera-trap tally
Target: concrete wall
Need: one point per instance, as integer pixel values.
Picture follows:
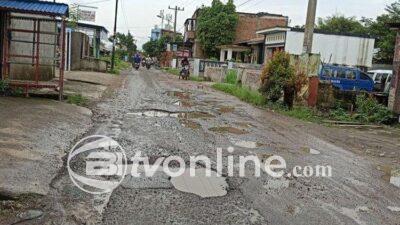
(338, 49)
(26, 71)
(251, 79)
(79, 49)
(93, 64)
(215, 74)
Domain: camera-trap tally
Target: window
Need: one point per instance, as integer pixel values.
(364, 76)
(351, 75)
(327, 72)
(342, 74)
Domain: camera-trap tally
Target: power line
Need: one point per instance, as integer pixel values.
(244, 3)
(176, 9)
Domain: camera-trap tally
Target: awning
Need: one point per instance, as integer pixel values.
(34, 7)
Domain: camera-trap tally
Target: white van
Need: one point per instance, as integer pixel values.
(380, 76)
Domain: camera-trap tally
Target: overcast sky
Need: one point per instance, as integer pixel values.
(139, 16)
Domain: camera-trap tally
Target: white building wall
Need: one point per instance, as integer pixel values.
(344, 50)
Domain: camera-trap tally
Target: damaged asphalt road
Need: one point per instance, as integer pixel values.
(162, 116)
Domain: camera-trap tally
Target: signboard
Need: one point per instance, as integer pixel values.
(174, 47)
(185, 53)
(86, 15)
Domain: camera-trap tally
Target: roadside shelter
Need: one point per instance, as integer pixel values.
(32, 45)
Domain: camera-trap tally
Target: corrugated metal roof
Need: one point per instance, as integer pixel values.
(35, 6)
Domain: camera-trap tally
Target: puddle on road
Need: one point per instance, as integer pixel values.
(244, 124)
(394, 209)
(154, 113)
(231, 130)
(190, 124)
(181, 115)
(248, 144)
(179, 94)
(311, 151)
(200, 184)
(277, 184)
(195, 115)
(226, 109)
(391, 175)
(183, 103)
(395, 178)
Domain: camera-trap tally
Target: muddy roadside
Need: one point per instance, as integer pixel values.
(35, 134)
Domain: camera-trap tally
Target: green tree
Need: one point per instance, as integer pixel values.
(155, 48)
(385, 37)
(216, 25)
(341, 24)
(125, 44)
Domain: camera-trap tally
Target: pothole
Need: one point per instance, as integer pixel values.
(154, 113)
(190, 124)
(277, 184)
(226, 109)
(231, 130)
(200, 184)
(179, 94)
(248, 144)
(311, 151)
(183, 103)
(161, 113)
(390, 175)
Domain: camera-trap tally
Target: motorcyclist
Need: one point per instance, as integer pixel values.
(185, 62)
(137, 59)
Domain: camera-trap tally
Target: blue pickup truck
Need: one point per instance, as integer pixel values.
(347, 78)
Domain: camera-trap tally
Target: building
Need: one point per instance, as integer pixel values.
(157, 33)
(340, 49)
(31, 48)
(246, 39)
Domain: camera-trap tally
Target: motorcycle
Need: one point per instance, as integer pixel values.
(185, 73)
(136, 66)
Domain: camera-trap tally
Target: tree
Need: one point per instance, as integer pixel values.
(125, 44)
(216, 25)
(385, 37)
(155, 48)
(341, 24)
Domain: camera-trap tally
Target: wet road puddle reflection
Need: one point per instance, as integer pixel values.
(311, 151)
(200, 184)
(391, 175)
(231, 130)
(179, 94)
(190, 124)
(162, 114)
(248, 144)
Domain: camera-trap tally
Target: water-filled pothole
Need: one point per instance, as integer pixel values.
(190, 124)
(161, 113)
(200, 184)
(231, 130)
(248, 144)
(179, 94)
(391, 175)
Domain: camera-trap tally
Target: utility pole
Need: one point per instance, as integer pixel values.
(162, 16)
(115, 36)
(309, 28)
(176, 9)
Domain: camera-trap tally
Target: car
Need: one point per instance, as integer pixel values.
(347, 78)
(382, 79)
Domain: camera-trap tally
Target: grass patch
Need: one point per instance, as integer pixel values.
(173, 71)
(244, 94)
(77, 99)
(119, 66)
(231, 76)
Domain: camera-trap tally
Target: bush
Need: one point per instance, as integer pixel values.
(277, 75)
(370, 111)
(231, 76)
